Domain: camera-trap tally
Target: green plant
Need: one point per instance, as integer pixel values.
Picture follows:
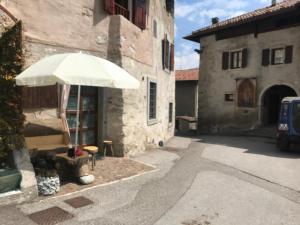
(11, 116)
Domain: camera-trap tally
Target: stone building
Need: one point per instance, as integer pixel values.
(136, 35)
(248, 64)
(187, 92)
(128, 33)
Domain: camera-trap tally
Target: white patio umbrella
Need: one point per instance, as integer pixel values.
(76, 69)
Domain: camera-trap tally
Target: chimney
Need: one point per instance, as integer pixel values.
(274, 2)
(215, 20)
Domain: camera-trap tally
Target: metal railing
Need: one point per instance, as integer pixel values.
(120, 10)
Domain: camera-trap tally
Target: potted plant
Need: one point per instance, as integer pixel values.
(10, 178)
(11, 116)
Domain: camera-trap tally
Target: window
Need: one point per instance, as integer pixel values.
(296, 116)
(155, 28)
(237, 59)
(152, 93)
(170, 6)
(167, 54)
(284, 110)
(277, 56)
(170, 112)
(229, 98)
(135, 12)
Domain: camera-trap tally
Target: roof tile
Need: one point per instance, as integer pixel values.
(250, 16)
(187, 75)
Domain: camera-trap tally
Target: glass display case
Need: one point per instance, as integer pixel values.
(87, 130)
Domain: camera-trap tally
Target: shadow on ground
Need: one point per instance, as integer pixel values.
(252, 145)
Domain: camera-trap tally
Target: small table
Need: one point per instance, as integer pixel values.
(92, 150)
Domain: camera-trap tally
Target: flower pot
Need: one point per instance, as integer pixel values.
(48, 185)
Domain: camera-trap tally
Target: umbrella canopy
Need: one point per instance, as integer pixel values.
(76, 69)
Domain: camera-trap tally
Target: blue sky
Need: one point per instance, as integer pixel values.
(191, 15)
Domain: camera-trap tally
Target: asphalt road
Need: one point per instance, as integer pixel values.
(211, 180)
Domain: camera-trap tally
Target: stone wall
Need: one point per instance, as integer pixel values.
(216, 115)
(80, 24)
(141, 55)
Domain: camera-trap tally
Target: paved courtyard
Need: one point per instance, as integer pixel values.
(210, 180)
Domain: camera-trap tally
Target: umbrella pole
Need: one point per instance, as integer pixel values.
(77, 116)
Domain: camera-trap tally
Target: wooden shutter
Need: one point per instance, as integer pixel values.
(265, 57)
(244, 57)
(40, 97)
(109, 6)
(163, 45)
(172, 57)
(273, 56)
(289, 54)
(140, 14)
(231, 60)
(225, 61)
(167, 53)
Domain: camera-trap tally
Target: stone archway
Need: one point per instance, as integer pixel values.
(270, 103)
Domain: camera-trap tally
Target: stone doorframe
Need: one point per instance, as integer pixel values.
(261, 96)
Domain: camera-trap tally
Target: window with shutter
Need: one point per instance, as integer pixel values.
(167, 54)
(152, 100)
(278, 56)
(266, 57)
(289, 54)
(236, 59)
(225, 60)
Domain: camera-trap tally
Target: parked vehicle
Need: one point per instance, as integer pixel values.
(288, 131)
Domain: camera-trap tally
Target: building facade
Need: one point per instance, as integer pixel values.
(187, 92)
(136, 35)
(248, 64)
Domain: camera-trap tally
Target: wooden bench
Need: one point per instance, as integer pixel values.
(46, 143)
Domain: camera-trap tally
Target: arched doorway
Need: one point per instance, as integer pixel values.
(271, 103)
